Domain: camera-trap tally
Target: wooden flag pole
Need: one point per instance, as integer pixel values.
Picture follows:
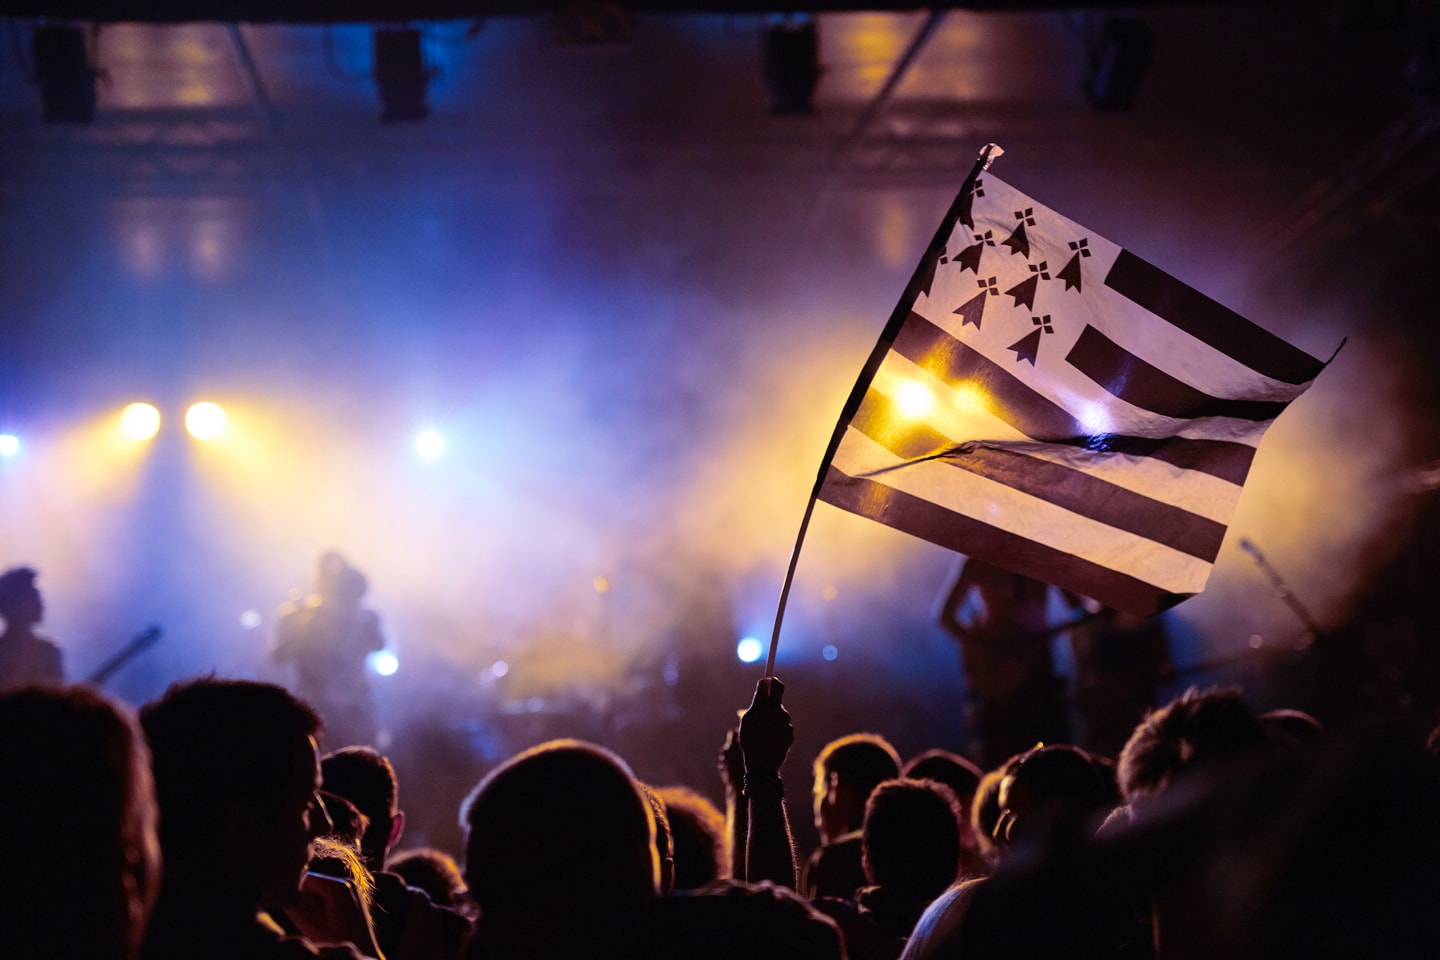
(921, 278)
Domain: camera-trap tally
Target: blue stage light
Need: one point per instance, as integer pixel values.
(749, 649)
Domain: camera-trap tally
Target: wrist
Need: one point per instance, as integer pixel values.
(762, 783)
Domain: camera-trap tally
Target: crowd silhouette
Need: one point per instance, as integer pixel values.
(208, 823)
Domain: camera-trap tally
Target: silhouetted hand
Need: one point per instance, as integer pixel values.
(329, 910)
(765, 730)
(732, 763)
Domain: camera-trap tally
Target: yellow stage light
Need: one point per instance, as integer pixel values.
(205, 421)
(140, 421)
(914, 399)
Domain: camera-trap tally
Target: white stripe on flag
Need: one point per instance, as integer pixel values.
(1030, 517)
(962, 418)
(1088, 401)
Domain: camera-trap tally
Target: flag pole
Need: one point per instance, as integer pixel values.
(924, 273)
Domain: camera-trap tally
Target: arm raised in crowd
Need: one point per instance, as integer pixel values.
(765, 738)
(731, 763)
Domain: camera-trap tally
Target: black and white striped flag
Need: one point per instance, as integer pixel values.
(1050, 403)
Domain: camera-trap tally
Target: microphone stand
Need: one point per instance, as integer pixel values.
(1282, 589)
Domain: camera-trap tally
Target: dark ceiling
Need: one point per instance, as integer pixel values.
(389, 11)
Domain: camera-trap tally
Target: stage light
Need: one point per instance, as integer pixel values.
(251, 619)
(602, 584)
(914, 399)
(749, 650)
(383, 662)
(429, 444)
(1118, 63)
(9, 444)
(64, 74)
(830, 651)
(140, 421)
(790, 51)
(206, 420)
(401, 75)
(499, 668)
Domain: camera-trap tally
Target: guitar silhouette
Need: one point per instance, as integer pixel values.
(145, 638)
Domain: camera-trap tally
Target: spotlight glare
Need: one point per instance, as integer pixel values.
(429, 444)
(9, 444)
(206, 420)
(830, 651)
(251, 619)
(914, 399)
(749, 650)
(499, 668)
(140, 421)
(383, 662)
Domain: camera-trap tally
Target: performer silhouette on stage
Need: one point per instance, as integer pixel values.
(25, 656)
(327, 637)
(1002, 622)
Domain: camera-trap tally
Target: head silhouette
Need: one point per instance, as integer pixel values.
(559, 831)
(81, 858)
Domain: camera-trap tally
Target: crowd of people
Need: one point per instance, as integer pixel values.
(208, 824)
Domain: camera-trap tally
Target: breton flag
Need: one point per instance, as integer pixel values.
(1048, 402)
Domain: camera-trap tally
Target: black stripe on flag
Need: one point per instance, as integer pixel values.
(1210, 322)
(932, 349)
(952, 362)
(1056, 483)
(956, 531)
(1219, 458)
(1143, 385)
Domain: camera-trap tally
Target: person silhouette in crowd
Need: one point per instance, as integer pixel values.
(347, 823)
(559, 853)
(1049, 802)
(1048, 789)
(561, 861)
(985, 815)
(25, 657)
(846, 771)
(366, 778)
(433, 871)
(962, 776)
(911, 855)
(237, 778)
(82, 862)
(664, 844)
(326, 639)
(1196, 733)
(697, 832)
(911, 851)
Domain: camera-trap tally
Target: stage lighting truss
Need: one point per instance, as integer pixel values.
(1119, 58)
(64, 73)
(791, 54)
(401, 74)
